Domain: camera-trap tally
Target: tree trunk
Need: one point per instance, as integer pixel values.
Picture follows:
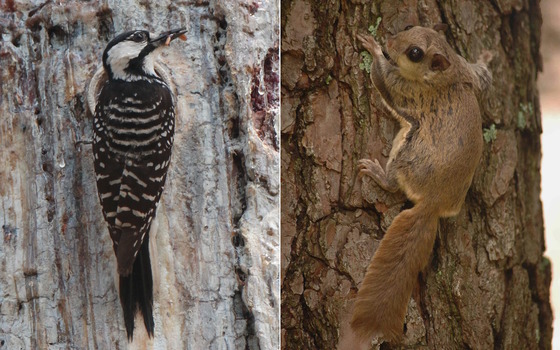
(215, 243)
(487, 284)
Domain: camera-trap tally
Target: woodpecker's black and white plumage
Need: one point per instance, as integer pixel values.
(133, 134)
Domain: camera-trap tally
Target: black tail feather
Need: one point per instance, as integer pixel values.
(136, 292)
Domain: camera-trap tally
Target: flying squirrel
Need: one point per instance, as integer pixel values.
(432, 92)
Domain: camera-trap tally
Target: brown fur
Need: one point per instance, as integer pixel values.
(413, 230)
(433, 160)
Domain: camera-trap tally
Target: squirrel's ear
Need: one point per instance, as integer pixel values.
(439, 63)
(440, 27)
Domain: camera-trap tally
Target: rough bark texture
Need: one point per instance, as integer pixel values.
(215, 242)
(487, 285)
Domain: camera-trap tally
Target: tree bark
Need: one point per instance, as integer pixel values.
(215, 239)
(487, 284)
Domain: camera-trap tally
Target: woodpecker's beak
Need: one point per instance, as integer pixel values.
(166, 37)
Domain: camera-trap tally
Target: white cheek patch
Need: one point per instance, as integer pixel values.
(149, 61)
(119, 56)
(148, 65)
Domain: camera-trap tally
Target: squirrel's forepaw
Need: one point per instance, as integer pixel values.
(485, 57)
(370, 168)
(369, 43)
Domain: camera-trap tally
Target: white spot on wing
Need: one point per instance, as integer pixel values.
(128, 173)
(142, 120)
(133, 100)
(106, 195)
(157, 179)
(138, 214)
(148, 197)
(129, 109)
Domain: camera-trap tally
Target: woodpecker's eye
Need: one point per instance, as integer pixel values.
(139, 37)
(415, 54)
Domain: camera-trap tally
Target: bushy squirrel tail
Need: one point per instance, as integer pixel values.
(381, 304)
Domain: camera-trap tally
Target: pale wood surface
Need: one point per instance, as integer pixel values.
(215, 249)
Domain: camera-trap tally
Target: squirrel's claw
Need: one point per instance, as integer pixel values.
(369, 43)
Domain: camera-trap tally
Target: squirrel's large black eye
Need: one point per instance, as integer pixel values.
(139, 37)
(415, 54)
(408, 27)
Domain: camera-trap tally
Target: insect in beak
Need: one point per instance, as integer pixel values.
(166, 37)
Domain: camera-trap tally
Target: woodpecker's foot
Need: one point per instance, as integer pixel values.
(84, 142)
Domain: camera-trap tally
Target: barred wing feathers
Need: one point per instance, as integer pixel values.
(133, 135)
